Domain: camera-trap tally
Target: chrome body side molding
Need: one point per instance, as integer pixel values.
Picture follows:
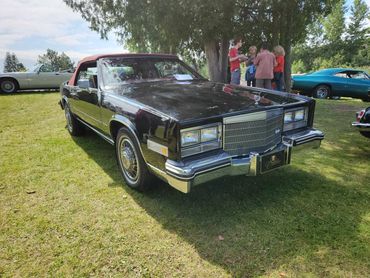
(106, 138)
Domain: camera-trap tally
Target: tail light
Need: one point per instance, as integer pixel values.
(359, 115)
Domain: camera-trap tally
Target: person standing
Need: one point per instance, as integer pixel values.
(279, 68)
(235, 58)
(265, 63)
(250, 73)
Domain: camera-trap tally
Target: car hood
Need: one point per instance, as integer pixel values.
(202, 99)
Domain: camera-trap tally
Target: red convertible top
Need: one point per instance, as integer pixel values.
(96, 57)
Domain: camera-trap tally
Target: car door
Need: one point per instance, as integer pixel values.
(44, 78)
(339, 83)
(86, 95)
(358, 85)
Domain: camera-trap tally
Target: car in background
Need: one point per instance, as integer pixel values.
(362, 122)
(165, 119)
(42, 77)
(334, 83)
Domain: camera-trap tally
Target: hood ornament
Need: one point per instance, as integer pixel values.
(257, 98)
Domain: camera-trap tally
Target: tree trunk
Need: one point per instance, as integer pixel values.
(224, 59)
(217, 59)
(286, 34)
(288, 67)
(212, 55)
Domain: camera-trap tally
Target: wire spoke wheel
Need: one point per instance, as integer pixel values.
(129, 160)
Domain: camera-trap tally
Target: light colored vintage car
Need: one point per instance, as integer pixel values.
(42, 77)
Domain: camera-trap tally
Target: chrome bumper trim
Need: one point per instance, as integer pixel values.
(303, 137)
(361, 126)
(184, 175)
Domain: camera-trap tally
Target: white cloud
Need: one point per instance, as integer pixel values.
(22, 19)
(29, 27)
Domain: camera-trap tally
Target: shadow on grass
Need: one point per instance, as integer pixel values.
(252, 226)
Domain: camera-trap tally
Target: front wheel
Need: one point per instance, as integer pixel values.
(8, 86)
(321, 92)
(130, 161)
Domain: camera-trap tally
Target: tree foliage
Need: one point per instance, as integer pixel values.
(340, 44)
(12, 64)
(356, 29)
(194, 28)
(334, 24)
(55, 60)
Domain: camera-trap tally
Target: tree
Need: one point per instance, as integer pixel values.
(55, 61)
(12, 64)
(201, 26)
(356, 29)
(285, 22)
(342, 47)
(334, 24)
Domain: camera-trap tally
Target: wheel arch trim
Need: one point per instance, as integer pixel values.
(64, 101)
(323, 84)
(125, 122)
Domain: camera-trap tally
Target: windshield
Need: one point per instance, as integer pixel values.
(36, 68)
(120, 70)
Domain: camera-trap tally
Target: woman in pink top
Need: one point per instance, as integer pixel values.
(265, 63)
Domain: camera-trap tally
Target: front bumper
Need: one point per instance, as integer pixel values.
(361, 126)
(184, 175)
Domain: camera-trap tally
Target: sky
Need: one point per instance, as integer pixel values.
(29, 27)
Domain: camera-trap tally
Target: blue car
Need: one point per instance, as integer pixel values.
(334, 83)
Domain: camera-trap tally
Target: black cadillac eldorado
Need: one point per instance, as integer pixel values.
(167, 120)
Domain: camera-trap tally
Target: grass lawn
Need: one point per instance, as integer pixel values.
(64, 210)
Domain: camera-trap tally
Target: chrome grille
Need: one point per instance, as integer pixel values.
(254, 132)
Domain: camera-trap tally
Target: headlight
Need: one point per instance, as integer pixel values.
(295, 118)
(190, 138)
(288, 117)
(200, 139)
(209, 134)
(299, 115)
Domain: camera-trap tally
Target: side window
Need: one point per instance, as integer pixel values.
(87, 76)
(359, 75)
(341, 74)
(46, 68)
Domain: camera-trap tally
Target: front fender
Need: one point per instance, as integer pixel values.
(123, 121)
